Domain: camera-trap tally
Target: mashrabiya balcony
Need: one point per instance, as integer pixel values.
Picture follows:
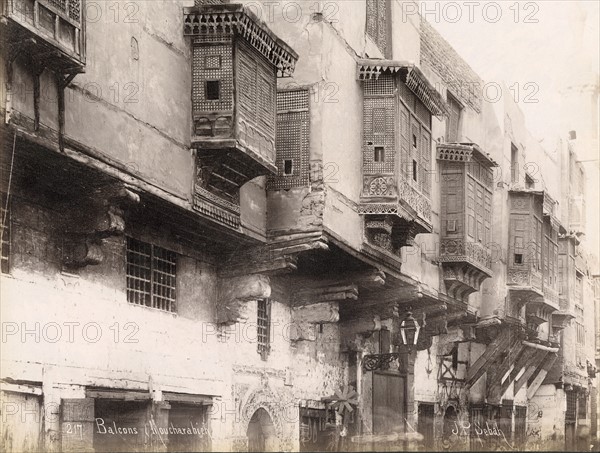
(51, 33)
(235, 63)
(466, 215)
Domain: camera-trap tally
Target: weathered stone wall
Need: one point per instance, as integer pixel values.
(89, 335)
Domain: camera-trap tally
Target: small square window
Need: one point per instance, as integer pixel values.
(213, 90)
(379, 154)
(451, 226)
(518, 258)
(288, 167)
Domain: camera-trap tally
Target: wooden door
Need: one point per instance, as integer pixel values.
(388, 403)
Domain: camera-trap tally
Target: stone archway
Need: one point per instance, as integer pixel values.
(261, 432)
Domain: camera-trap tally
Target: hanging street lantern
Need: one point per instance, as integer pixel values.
(409, 330)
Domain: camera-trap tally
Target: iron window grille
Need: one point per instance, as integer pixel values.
(151, 276)
(263, 330)
(571, 407)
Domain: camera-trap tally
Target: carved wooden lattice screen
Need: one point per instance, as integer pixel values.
(415, 140)
(550, 254)
(292, 140)
(256, 89)
(378, 14)
(379, 135)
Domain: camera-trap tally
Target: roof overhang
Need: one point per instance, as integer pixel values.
(372, 68)
(232, 18)
(463, 152)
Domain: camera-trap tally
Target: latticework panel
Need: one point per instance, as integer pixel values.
(61, 5)
(379, 126)
(74, 9)
(256, 88)
(212, 63)
(292, 140)
(377, 23)
(383, 86)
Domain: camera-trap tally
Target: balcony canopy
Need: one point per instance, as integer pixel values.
(372, 68)
(235, 18)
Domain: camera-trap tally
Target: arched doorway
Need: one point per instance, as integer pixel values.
(261, 432)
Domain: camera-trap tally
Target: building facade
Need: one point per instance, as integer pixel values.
(247, 226)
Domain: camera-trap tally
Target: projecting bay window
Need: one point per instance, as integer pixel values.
(235, 62)
(466, 213)
(151, 276)
(525, 249)
(43, 27)
(263, 330)
(398, 104)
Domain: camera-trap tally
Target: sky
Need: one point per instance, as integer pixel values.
(537, 48)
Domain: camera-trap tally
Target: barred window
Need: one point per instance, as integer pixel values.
(5, 235)
(571, 406)
(151, 275)
(263, 332)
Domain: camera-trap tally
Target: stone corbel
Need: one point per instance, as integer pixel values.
(236, 292)
(306, 318)
(98, 216)
(326, 294)
(356, 331)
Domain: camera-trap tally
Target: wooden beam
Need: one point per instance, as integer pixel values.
(478, 368)
(540, 375)
(325, 294)
(266, 259)
(494, 376)
(317, 313)
(282, 264)
(525, 357)
(537, 360)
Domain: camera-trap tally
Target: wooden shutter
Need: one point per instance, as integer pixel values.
(425, 162)
(77, 424)
(453, 121)
(405, 143)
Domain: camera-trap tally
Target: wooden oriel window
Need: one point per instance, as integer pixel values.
(263, 330)
(151, 275)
